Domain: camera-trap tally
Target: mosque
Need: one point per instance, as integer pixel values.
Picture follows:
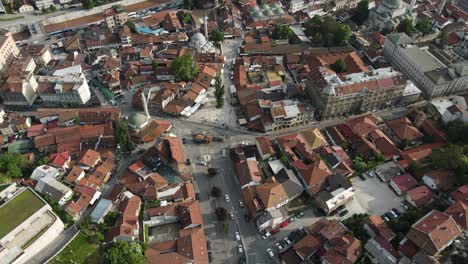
(388, 14)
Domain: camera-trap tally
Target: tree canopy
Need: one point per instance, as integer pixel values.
(406, 26)
(221, 213)
(219, 91)
(424, 25)
(362, 12)
(282, 32)
(125, 252)
(184, 68)
(339, 66)
(122, 136)
(88, 4)
(12, 165)
(216, 36)
(326, 31)
(193, 4)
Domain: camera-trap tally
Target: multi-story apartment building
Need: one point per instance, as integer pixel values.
(115, 18)
(8, 49)
(43, 4)
(345, 4)
(354, 91)
(67, 87)
(431, 73)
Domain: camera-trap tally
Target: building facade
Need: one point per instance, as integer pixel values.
(424, 68)
(8, 49)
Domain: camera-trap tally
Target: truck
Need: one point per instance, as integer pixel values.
(201, 138)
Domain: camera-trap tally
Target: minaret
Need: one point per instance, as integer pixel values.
(206, 26)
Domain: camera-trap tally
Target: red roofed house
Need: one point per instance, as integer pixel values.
(127, 226)
(171, 152)
(461, 194)
(459, 212)
(434, 232)
(264, 147)
(419, 196)
(60, 160)
(89, 160)
(439, 180)
(401, 184)
(75, 175)
(405, 132)
(375, 226)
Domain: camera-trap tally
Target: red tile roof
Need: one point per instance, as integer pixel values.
(443, 179)
(59, 159)
(461, 194)
(459, 212)
(404, 182)
(404, 129)
(381, 228)
(421, 195)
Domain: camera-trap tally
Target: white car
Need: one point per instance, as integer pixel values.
(241, 204)
(287, 240)
(292, 219)
(236, 234)
(278, 245)
(232, 215)
(270, 252)
(226, 198)
(223, 152)
(266, 235)
(241, 250)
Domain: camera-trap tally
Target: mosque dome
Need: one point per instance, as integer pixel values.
(198, 40)
(137, 120)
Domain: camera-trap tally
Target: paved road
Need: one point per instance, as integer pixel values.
(54, 246)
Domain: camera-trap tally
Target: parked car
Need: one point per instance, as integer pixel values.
(343, 213)
(287, 240)
(340, 208)
(385, 218)
(284, 224)
(224, 152)
(292, 219)
(184, 140)
(278, 245)
(266, 235)
(237, 235)
(362, 177)
(226, 198)
(241, 250)
(231, 214)
(299, 215)
(270, 253)
(404, 206)
(274, 231)
(371, 174)
(241, 204)
(396, 211)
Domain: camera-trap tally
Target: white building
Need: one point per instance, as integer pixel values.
(66, 87)
(31, 231)
(429, 73)
(338, 193)
(40, 4)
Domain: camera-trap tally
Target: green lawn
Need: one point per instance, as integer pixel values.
(79, 251)
(17, 210)
(10, 18)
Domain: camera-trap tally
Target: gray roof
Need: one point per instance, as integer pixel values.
(400, 39)
(423, 58)
(50, 186)
(290, 183)
(101, 210)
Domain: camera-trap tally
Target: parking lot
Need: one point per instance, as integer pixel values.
(373, 196)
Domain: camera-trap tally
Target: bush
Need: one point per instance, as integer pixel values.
(221, 213)
(216, 192)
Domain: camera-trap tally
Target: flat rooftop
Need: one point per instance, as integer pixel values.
(17, 210)
(423, 58)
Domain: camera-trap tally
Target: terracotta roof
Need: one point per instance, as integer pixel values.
(381, 228)
(271, 193)
(461, 194)
(404, 129)
(443, 179)
(354, 63)
(315, 173)
(404, 182)
(459, 212)
(173, 147)
(434, 232)
(127, 223)
(90, 158)
(345, 249)
(314, 137)
(248, 171)
(36, 130)
(44, 140)
(421, 195)
(307, 246)
(59, 159)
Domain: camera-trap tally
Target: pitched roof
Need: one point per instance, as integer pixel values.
(90, 158)
(307, 246)
(434, 232)
(271, 193)
(421, 195)
(443, 179)
(59, 159)
(266, 147)
(459, 212)
(404, 182)
(381, 228)
(461, 194)
(404, 129)
(314, 137)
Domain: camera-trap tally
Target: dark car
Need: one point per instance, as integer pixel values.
(188, 162)
(362, 177)
(184, 140)
(343, 213)
(396, 211)
(340, 208)
(389, 215)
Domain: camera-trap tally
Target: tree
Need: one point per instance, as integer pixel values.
(406, 26)
(4, 179)
(444, 37)
(122, 252)
(153, 203)
(362, 12)
(221, 213)
(216, 192)
(219, 91)
(42, 161)
(450, 157)
(216, 36)
(359, 164)
(122, 136)
(339, 66)
(88, 4)
(282, 32)
(52, 8)
(184, 68)
(193, 4)
(424, 25)
(96, 237)
(327, 31)
(355, 224)
(212, 172)
(12, 164)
